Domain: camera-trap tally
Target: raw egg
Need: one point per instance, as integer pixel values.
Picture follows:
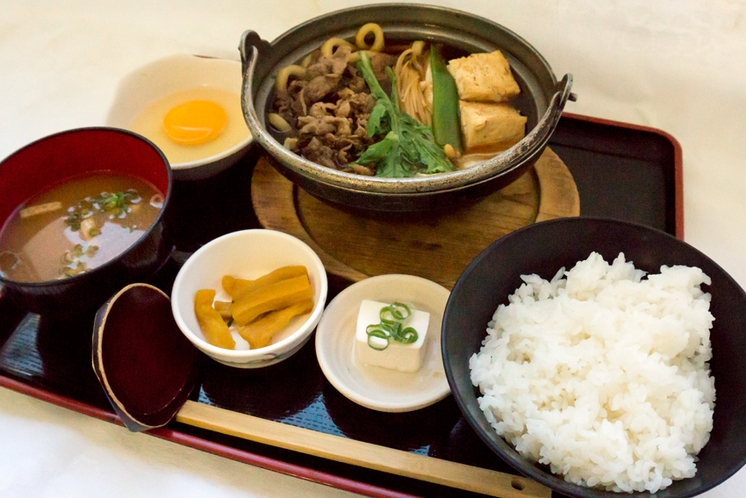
(192, 125)
(195, 122)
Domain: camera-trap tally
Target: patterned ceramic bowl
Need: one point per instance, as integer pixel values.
(248, 254)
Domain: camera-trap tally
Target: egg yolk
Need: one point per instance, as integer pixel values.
(195, 122)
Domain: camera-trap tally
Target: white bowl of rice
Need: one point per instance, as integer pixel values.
(601, 357)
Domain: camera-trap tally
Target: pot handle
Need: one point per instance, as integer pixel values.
(563, 94)
(546, 125)
(252, 49)
(548, 122)
(250, 40)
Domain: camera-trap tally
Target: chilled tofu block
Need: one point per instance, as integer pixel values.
(484, 77)
(397, 356)
(491, 126)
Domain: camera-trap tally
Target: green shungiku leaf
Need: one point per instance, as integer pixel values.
(375, 125)
(407, 146)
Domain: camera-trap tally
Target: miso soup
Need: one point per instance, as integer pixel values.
(76, 226)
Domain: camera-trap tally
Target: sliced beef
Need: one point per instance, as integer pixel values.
(311, 126)
(316, 151)
(330, 108)
(320, 87)
(379, 62)
(361, 103)
(362, 170)
(336, 64)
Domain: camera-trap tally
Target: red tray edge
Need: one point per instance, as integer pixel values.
(198, 443)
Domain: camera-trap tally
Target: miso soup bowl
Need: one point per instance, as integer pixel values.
(57, 158)
(248, 254)
(542, 100)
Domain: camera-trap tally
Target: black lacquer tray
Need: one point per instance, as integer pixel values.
(621, 171)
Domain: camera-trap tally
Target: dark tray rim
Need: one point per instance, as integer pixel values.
(299, 471)
(678, 161)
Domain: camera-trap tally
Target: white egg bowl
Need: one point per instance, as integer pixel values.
(169, 78)
(247, 254)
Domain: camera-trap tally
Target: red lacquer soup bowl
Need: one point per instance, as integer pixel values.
(49, 164)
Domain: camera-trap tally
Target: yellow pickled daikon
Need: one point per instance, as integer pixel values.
(271, 297)
(211, 323)
(259, 333)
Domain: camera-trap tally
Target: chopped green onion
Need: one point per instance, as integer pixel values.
(397, 311)
(116, 203)
(391, 327)
(376, 331)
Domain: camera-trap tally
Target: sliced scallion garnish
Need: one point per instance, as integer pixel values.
(391, 326)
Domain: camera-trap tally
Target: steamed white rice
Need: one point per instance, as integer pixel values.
(603, 375)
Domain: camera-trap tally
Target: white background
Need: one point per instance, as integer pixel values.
(675, 65)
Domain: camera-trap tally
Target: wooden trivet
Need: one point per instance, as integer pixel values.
(436, 246)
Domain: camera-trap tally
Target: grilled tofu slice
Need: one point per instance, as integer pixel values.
(494, 127)
(484, 77)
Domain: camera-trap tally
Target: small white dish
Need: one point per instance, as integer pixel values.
(170, 77)
(247, 254)
(380, 388)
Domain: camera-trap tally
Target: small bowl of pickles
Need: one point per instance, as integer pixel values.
(250, 298)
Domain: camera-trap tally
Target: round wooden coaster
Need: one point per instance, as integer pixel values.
(436, 246)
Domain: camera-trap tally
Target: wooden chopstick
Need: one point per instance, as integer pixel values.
(353, 452)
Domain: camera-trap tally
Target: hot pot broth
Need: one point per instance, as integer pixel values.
(76, 225)
(322, 106)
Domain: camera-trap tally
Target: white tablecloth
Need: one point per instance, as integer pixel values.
(675, 65)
